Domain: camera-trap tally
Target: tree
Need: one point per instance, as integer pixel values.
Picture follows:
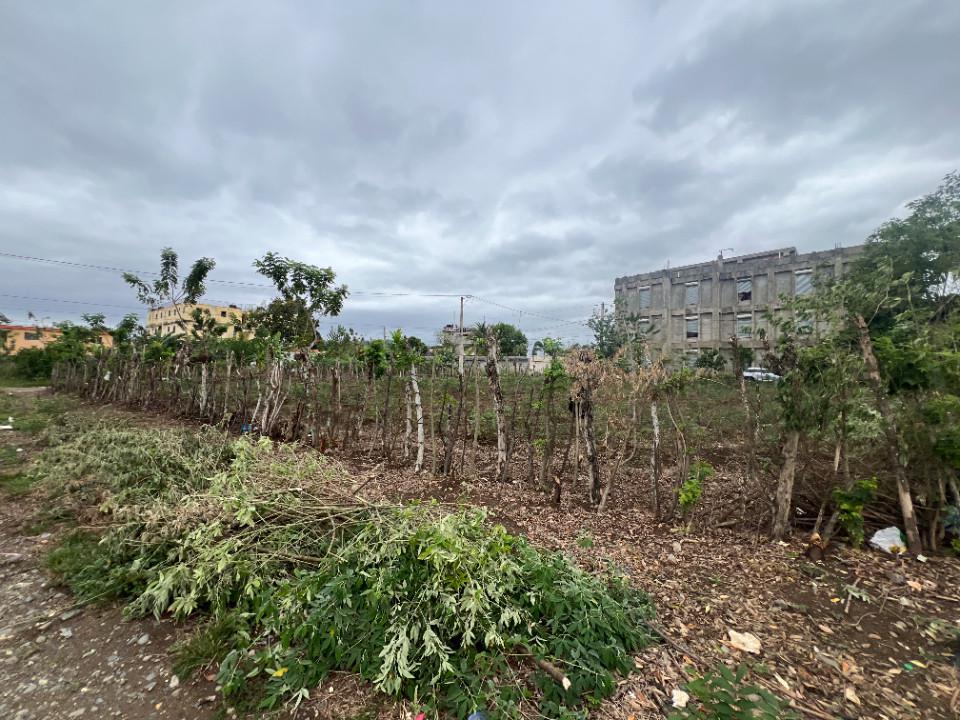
(510, 340)
(893, 326)
(306, 293)
(608, 335)
(167, 289)
(123, 334)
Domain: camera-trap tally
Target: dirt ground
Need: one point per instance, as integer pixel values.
(858, 635)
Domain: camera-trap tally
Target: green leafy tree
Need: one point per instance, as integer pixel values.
(892, 328)
(608, 334)
(126, 331)
(510, 340)
(306, 293)
(168, 289)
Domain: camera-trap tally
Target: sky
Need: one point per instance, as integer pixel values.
(521, 154)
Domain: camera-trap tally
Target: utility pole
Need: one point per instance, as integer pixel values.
(603, 310)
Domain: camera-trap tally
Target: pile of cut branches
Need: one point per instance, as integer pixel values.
(441, 608)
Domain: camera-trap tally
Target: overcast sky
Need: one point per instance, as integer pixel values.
(524, 152)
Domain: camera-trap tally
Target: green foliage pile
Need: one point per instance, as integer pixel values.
(298, 579)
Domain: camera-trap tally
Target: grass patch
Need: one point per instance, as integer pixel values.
(207, 645)
(13, 381)
(9, 457)
(33, 413)
(77, 561)
(17, 484)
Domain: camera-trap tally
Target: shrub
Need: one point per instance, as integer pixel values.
(692, 488)
(711, 359)
(850, 503)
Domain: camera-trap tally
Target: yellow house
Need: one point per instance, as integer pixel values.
(21, 337)
(178, 319)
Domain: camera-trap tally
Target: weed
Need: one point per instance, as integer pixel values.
(723, 694)
(692, 487)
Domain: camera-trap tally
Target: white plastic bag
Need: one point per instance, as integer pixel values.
(889, 540)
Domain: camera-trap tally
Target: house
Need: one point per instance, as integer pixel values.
(178, 319)
(14, 338)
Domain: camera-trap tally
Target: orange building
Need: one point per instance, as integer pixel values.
(15, 338)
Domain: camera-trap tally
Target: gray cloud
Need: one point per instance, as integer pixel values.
(526, 154)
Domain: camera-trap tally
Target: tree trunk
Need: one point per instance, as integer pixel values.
(752, 427)
(788, 471)
(655, 464)
(546, 465)
(493, 377)
(418, 408)
(893, 437)
(451, 436)
(622, 457)
(408, 420)
(590, 447)
(682, 457)
(204, 370)
(476, 420)
(386, 446)
(839, 459)
(433, 418)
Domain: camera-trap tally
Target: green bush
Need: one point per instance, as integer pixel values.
(711, 359)
(850, 503)
(33, 364)
(692, 488)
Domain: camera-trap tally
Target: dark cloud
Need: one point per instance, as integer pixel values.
(780, 69)
(525, 154)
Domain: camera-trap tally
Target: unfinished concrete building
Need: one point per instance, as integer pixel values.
(683, 310)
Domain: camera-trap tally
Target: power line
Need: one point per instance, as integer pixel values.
(528, 312)
(240, 283)
(71, 302)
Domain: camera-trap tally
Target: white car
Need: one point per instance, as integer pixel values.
(760, 374)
